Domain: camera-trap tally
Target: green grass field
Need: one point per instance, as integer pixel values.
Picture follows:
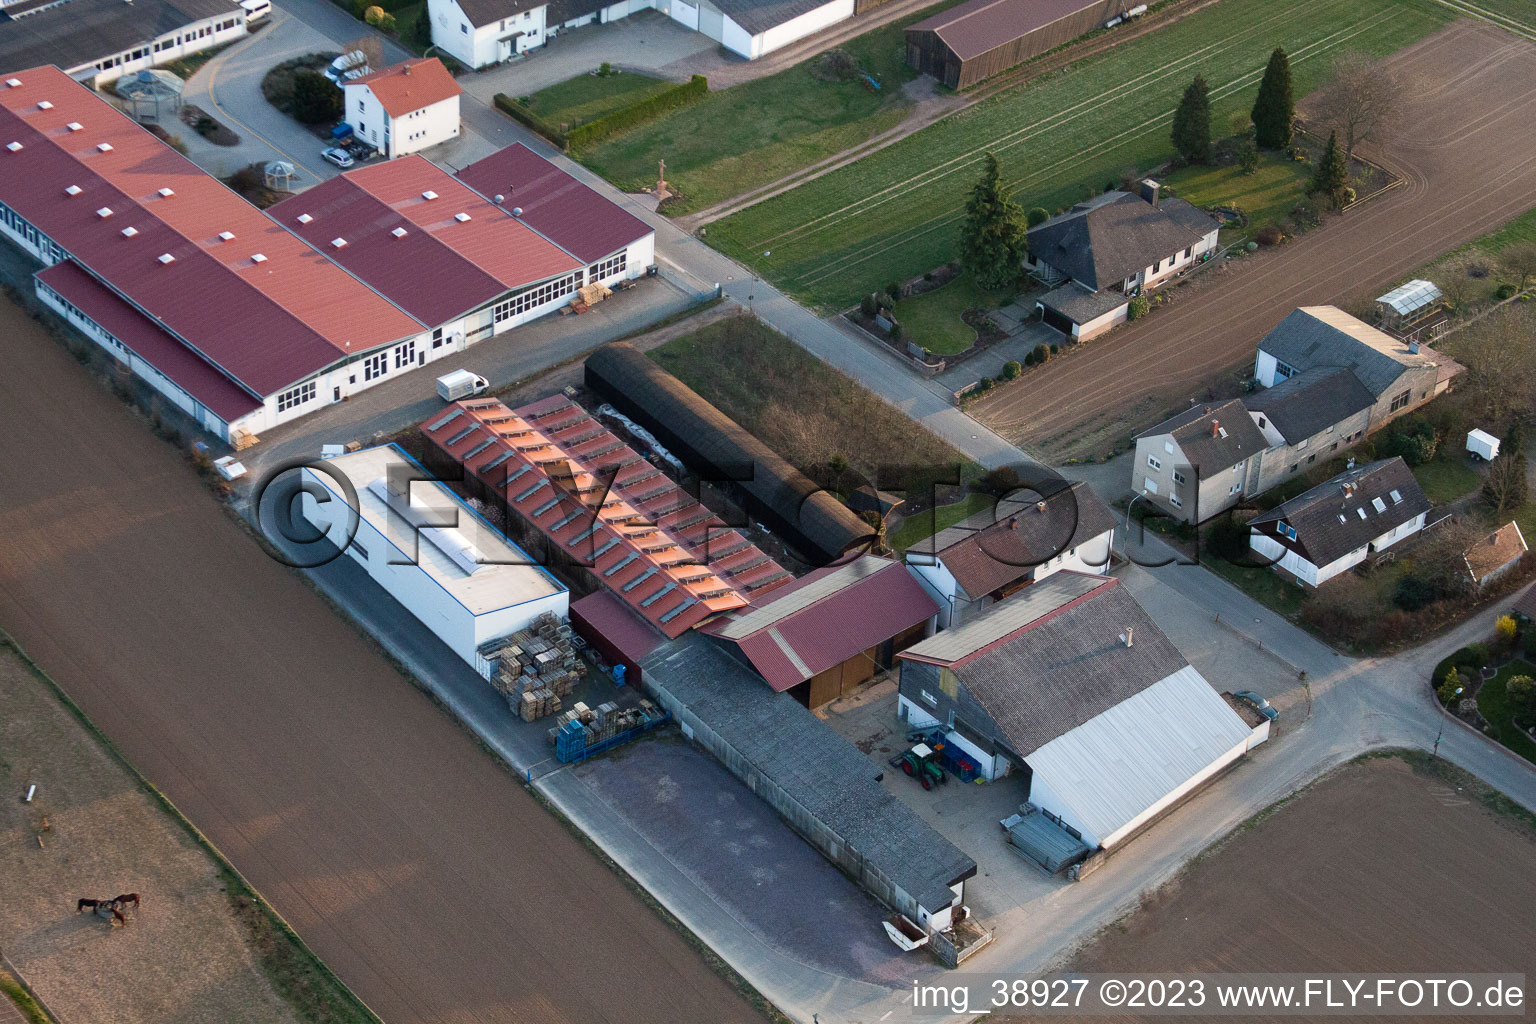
(588, 97)
(932, 320)
(1266, 195)
(757, 132)
(1493, 702)
(1522, 12)
(1447, 476)
(895, 213)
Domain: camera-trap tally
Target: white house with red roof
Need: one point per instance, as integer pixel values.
(244, 319)
(404, 108)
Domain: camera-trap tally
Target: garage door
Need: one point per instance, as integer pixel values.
(1056, 320)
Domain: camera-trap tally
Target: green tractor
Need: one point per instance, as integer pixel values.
(919, 763)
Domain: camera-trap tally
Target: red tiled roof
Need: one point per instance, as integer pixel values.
(188, 370)
(641, 535)
(561, 208)
(441, 267)
(824, 618)
(410, 85)
(267, 324)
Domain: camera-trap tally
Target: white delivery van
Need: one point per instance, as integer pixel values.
(255, 10)
(460, 384)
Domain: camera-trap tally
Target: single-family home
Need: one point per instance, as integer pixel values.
(1200, 462)
(479, 33)
(1312, 415)
(1024, 538)
(1338, 524)
(1400, 375)
(1495, 555)
(405, 107)
(1071, 685)
(1107, 249)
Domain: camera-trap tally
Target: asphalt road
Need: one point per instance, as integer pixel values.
(409, 859)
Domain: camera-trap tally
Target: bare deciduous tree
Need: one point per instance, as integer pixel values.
(1500, 356)
(1519, 262)
(1361, 101)
(372, 47)
(1504, 488)
(1454, 278)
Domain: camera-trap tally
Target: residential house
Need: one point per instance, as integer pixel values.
(1104, 251)
(404, 108)
(1314, 414)
(479, 33)
(1071, 685)
(1400, 375)
(1019, 541)
(1200, 462)
(1495, 555)
(1336, 525)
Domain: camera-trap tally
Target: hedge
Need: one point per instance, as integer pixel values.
(518, 112)
(687, 94)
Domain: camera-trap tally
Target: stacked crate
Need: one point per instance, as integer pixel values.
(537, 667)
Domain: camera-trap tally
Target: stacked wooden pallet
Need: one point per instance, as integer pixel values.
(537, 667)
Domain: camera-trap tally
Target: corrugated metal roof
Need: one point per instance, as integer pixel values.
(971, 29)
(410, 85)
(825, 618)
(228, 400)
(267, 324)
(1116, 766)
(442, 267)
(1006, 619)
(573, 216)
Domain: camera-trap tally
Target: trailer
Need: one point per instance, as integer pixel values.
(905, 932)
(1482, 445)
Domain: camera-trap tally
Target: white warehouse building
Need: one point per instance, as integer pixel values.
(99, 41)
(466, 582)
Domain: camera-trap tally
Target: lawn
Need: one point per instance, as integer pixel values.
(1493, 702)
(1521, 229)
(588, 97)
(1266, 195)
(1447, 477)
(757, 132)
(896, 213)
(922, 525)
(1263, 585)
(932, 319)
(797, 405)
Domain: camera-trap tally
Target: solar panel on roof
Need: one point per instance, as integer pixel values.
(663, 592)
(606, 547)
(530, 492)
(498, 460)
(678, 609)
(516, 474)
(461, 435)
(547, 506)
(568, 520)
(632, 584)
(621, 563)
(583, 535)
(477, 449)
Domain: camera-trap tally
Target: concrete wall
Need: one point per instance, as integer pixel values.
(807, 24)
(1099, 324)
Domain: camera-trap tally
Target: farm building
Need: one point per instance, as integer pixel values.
(99, 41)
(588, 504)
(1400, 375)
(480, 33)
(981, 38)
(720, 450)
(817, 781)
(1022, 540)
(1339, 524)
(354, 282)
(824, 634)
(1495, 555)
(1071, 685)
(465, 581)
(404, 108)
(1108, 249)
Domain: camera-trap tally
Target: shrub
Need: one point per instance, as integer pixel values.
(604, 70)
(684, 95)
(1346, 196)
(1522, 698)
(315, 99)
(998, 481)
(1306, 214)
(1055, 348)
(1475, 655)
(1041, 353)
(1528, 642)
(1414, 439)
(985, 384)
(1504, 291)
(1414, 592)
(1248, 156)
(1139, 306)
(1029, 358)
(869, 306)
(1506, 632)
(895, 330)
(1269, 234)
(521, 113)
(1039, 215)
(1450, 689)
(894, 291)
(1012, 369)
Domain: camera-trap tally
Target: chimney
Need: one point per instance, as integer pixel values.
(1129, 636)
(1150, 190)
(1215, 428)
(1013, 524)
(1040, 506)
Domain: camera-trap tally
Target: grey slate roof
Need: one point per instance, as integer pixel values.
(820, 770)
(1103, 241)
(1326, 336)
(757, 16)
(1213, 437)
(487, 12)
(1079, 306)
(83, 31)
(1311, 401)
(1060, 670)
(1328, 522)
(1002, 544)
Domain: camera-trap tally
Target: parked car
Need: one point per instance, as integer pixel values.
(339, 157)
(460, 384)
(1258, 704)
(347, 67)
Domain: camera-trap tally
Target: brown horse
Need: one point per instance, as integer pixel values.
(102, 908)
(127, 898)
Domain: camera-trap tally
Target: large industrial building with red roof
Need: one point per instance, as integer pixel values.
(245, 319)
